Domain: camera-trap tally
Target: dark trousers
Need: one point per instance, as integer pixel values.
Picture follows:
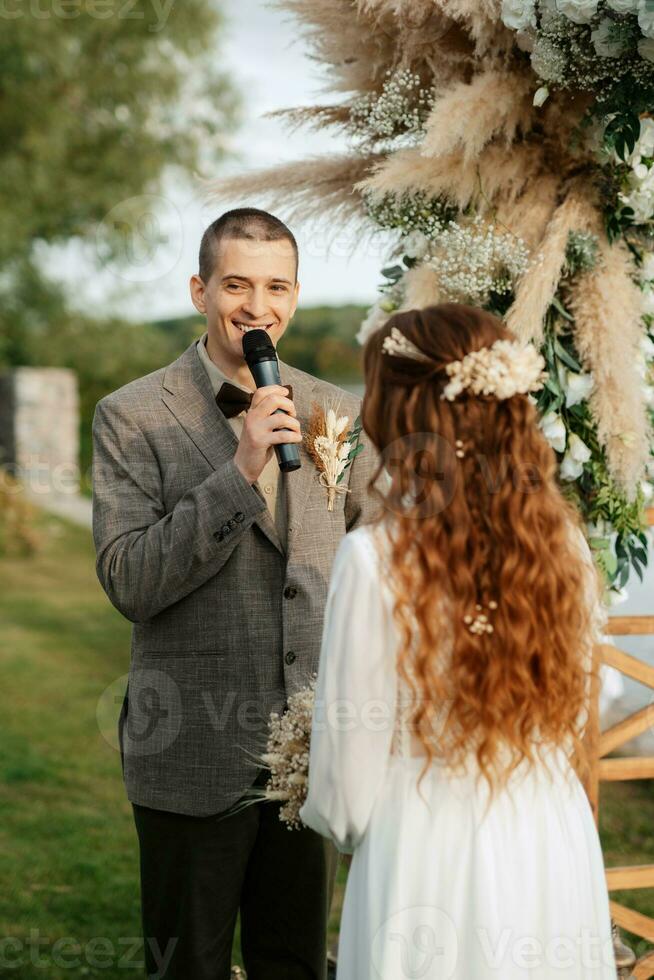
(197, 872)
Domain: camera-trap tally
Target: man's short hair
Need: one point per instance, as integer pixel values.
(249, 223)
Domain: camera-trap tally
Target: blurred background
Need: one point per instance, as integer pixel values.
(113, 114)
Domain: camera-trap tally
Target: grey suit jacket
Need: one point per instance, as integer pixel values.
(227, 622)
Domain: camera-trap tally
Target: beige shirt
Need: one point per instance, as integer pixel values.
(270, 481)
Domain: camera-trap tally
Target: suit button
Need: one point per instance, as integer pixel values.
(290, 592)
(290, 657)
(238, 517)
(226, 528)
(232, 522)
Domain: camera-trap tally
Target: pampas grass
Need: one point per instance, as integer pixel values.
(421, 287)
(484, 148)
(306, 189)
(539, 284)
(529, 215)
(606, 305)
(470, 114)
(499, 177)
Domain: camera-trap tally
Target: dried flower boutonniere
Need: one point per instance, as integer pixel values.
(331, 447)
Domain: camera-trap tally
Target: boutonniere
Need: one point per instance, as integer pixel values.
(332, 447)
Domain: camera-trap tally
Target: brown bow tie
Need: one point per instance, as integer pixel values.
(232, 400)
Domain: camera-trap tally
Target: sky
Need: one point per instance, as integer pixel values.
(263, 51)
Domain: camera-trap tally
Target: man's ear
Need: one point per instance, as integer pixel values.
(296, 295)
(197, 290)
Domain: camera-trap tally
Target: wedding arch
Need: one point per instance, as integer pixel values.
(508, 147)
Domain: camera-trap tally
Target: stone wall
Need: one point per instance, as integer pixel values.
(39, 429)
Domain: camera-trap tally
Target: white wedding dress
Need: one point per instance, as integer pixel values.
(434, 891)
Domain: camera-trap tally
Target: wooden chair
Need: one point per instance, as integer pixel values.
(600, 744)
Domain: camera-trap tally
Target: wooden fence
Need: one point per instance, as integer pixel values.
(600, 744)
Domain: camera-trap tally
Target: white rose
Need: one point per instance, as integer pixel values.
(578, 453)
(604, 44)
(518, 14)
(645, 145)
(576, 387)
(645, 19)
(541, 96)
(578, 449)
(578, 11)
(570, 469)
(415, 244)
(647, 347)
(554, 430)
(623, 6)
(646, 48)
(617, 596)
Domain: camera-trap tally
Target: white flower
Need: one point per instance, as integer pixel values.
(376, 318)
(646, 270)
(647, 488)
(541, 96)
(605, 45)
(578, 11)
(646, 48)
(576, 386)
(617, 596)
(578, 453)
(648, 392)
(647, 347)
(415, 245)
(518, 14)
(623, 6)
(646, 18)
(554, 430)
(648, 302)
(504, 369)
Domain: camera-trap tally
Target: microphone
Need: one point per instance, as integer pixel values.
(261, 357)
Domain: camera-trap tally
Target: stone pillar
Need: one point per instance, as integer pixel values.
(39, 430)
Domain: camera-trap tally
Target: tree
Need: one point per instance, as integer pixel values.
(97, 99)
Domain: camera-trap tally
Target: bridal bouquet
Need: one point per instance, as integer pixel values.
(287, 755)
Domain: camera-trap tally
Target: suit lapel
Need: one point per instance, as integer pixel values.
(299, 483)
(188, 394)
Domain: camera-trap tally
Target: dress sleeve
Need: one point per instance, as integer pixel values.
(356, 692)
(598, 616)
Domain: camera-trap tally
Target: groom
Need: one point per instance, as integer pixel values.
(222, 563)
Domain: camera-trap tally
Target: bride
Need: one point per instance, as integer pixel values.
(452, 693)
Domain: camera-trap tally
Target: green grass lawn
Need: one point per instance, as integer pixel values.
(68, 851)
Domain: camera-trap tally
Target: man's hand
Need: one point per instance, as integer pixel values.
(262, 429)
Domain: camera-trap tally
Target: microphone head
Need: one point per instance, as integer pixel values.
(258, 346)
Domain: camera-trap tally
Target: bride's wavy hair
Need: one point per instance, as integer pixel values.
(491, 525)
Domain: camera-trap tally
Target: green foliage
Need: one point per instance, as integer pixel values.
(581, 252)
(94, 108)
(594, 492)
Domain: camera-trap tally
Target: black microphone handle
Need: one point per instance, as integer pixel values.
(267, 373)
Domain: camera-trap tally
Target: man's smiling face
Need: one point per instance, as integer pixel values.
(253, 285)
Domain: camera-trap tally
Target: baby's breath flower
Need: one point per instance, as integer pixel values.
(399, 110)
(287, 754)
(475, 260)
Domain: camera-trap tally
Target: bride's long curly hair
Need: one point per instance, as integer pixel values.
(489, 526)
